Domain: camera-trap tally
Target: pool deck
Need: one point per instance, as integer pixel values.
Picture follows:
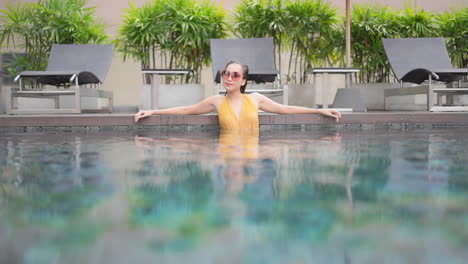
(124, 121)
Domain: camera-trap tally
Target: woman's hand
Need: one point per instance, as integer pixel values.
(332, 113)
(142, 114)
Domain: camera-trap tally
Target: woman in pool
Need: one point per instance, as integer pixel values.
(237, 110)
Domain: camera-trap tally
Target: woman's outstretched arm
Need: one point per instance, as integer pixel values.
(268, 105)
(203, 107)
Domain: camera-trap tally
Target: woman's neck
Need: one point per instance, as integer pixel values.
(234, 95)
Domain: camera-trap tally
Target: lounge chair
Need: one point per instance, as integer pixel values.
(71, 71)
(422, 60)
(257, 53)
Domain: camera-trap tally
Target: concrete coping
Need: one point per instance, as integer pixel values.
(98, 122)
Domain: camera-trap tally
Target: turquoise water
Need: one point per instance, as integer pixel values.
(288, 196)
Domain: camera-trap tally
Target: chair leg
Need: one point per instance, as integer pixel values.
(325, 90)
(77, 96)
(111, 103)
(430, 95)
(314, 89)
(449, 99)
(56, 101)
(9, 100)
(385, 103)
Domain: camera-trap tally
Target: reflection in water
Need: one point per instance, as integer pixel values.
(47, 191)
(238, 152)
(279, 197)
(258, 188)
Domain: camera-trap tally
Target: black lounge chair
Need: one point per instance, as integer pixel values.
(420, 60)
(70, 68)
(257, 53)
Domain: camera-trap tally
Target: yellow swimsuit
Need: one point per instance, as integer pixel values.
(240, 144)
(248, 115)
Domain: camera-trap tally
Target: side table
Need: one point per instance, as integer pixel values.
(155, 81)
(325, 71)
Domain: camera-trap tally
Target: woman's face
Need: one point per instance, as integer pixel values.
(231, 79)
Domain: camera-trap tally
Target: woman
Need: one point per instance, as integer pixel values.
(237, 110)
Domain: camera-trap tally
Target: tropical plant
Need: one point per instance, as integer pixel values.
(307, 31)
(171, 34)
(310, 33)
(372, 23)
(36, 26)
(369, 25)
(454, 28)
(415, 23)
(261, 19)
(313, 37)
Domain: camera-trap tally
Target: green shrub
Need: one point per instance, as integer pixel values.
(171, 34)
(36, 26)
(314, 37)
(369, 24)
(454, 28)
(305, 30)
(261, 19)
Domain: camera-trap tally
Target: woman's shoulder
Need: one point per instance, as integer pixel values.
(215, 98)
(255, 96)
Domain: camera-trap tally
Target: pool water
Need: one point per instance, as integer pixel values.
(285, 196)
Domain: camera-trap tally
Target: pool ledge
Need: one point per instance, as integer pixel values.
(125, 121)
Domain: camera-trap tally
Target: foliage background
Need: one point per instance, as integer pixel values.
(176, 33)
(34, 27)
(172, 34)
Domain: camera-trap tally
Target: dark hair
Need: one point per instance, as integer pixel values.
(245, 73)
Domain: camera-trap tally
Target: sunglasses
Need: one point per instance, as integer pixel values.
(235, 76)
